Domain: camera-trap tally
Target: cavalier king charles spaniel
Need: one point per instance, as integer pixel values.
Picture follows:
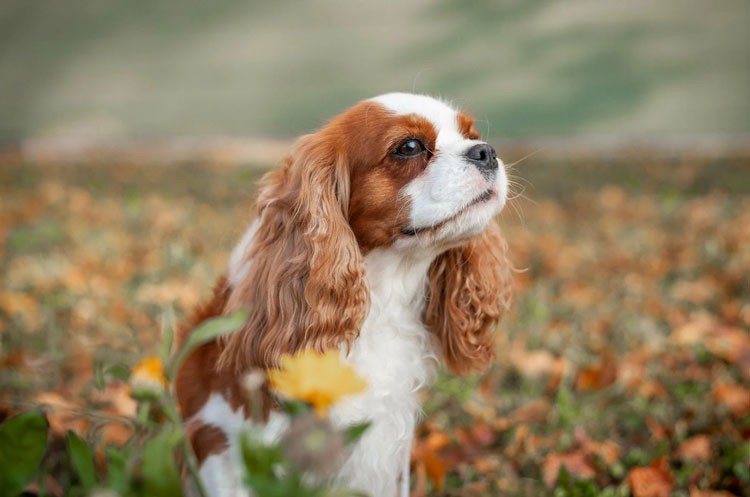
(375, 238)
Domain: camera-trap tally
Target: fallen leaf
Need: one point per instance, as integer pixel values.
(730, 344)
(14, 360)
(535, 412)
(116, 433)
(652, 389)
(485, 464)
(658, 431)
(533, 363)
(117, 399)
(694, 331)
(697, 448)
(62, 414)
(483, 434)
(21, 305)
(651, 481)
(698, 291)
(598, 376)
(517, 445)
(426, 459)
(735, 397)
(575, 462)
(607, 451)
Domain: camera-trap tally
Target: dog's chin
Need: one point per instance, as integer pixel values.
(467, 223)
(473, 221)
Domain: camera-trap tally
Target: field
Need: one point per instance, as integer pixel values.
(625, 358)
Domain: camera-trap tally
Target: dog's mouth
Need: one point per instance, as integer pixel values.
(418, 230)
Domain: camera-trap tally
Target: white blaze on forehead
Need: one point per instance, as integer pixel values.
(442, 116)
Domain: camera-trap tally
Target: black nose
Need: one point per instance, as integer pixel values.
(483, 157)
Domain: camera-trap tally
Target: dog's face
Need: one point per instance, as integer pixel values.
(420, 176)
(401, 173)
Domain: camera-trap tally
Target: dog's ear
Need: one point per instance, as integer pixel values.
(305, 286)
(469, 287)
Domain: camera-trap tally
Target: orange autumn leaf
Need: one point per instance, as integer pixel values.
(654, 480)
(607, 451)
(697, 448)
(535, 411)
(427, 460)
(729, 343)
(482, 434)
(62, 414)
(116, 433)
(576, 463)
(735, 397)
(534, 363)
(598, 376)
(435, 467)
(116, 399)
(22, 305)
(657, 429)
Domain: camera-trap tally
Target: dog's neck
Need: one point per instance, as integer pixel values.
(397, 277)
(396, 355)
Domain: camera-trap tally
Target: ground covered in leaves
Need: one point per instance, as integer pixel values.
(623, 368)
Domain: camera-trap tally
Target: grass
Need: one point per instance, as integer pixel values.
(628, 338)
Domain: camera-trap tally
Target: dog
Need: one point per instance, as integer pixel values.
(376, 238)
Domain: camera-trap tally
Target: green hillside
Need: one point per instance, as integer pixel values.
(109, 68)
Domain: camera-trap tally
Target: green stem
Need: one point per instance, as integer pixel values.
(143, 410)
(187, 451)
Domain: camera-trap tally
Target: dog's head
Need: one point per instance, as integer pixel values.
(402, 173)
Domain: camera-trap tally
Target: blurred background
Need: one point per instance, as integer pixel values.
(107, 69)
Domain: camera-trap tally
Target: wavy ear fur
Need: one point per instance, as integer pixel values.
(306, 285)
(469, 287)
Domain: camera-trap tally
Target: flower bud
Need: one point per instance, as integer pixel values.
(147, 380)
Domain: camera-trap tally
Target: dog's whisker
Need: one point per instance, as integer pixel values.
(530, 154)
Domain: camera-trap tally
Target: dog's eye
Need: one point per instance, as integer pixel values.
(410, 148)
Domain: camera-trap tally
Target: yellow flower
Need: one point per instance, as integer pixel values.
(147, 378)
(318, 379)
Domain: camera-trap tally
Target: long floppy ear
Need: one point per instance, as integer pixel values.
(305, 287)
(469, 288)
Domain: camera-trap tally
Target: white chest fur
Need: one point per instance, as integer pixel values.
(396, 355)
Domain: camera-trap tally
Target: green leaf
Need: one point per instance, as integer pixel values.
(104, 372)
(117, 469)
(208, 330)
(268, 473)
(259, 458)
(99, 382)
(296, 407)
(118, 371)
(355, 432)
(82, 459)
(167, 334)
(158, 467)
(291, 483)
(23, 440)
